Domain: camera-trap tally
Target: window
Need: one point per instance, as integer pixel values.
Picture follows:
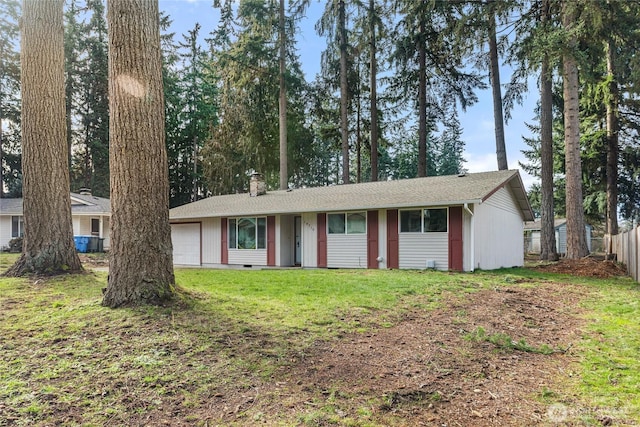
(424, 221)
(95, 227)
(435, 220)
(248, 233)
(17, 226)
(336, 224)
(410, 221)
(233, 241)
(349, 223)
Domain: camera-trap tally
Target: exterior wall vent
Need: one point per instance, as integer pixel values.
(430, 263)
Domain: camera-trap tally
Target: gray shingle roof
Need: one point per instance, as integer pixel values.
(417, 192)
(85, 204)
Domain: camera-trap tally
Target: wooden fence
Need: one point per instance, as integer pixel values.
(627, 248)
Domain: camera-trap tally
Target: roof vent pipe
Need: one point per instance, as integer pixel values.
(257, 185)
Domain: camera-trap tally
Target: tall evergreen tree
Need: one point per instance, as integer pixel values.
(48, 246)
(576, 239)
(428, 61)
(548, 250)
(245, 54)
(282, 95)
(141, 265)
(333, 25)
(94, 100)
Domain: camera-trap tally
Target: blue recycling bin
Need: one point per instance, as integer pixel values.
(82, 243)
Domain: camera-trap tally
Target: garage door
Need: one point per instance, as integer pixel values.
(186, 243)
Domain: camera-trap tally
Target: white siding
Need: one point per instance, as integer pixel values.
(248, 256)
(309, 240)
(503, 200)
(5, 230)
(347, 251)
(211, 241)
(499, 232)
(468, 222)
(416, 248)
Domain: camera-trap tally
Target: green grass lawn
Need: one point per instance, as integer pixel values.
(65, 358)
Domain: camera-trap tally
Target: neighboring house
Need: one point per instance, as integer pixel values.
(532, 235)
(458, 223)
(90, 215)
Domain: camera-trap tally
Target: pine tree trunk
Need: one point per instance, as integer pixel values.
(576, 240)
(373, 92)
(612, 142)
(141, 260)
(282, 114)
(548, 250)
(494, 76)
(48, 246)
(422, 104)
(344, 93)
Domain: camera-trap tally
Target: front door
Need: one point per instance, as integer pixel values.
(297, 241)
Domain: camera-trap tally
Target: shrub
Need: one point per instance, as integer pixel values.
(15, 245)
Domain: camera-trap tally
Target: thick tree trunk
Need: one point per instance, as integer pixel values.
(612, 141)
(576, 240)
(48, 246)
(548, 250)
(422, 105)
(344, 92)
(141, 260)
(282, 114)
(373, 91)
(494, 76)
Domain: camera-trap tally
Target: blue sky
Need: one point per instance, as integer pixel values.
(477, 121)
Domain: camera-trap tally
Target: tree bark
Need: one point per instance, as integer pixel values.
(548, 250)
(576, 240)
(422, 103)
(612, 141)
(284, 177)
(494, 76)
(344, 93)
(48, 246)
(141, 261)
(373, 92)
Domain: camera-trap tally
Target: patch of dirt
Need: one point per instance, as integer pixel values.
(431, 368)
(94, 260)
(586, 267)
(427, 371)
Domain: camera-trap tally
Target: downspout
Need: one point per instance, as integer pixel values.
(472, 232)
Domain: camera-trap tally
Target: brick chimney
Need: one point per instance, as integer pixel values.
(257, 185)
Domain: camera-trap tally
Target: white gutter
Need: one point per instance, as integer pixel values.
(472, 243)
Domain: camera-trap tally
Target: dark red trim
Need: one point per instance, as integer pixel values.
(322, 240)
(224, 244)
(372, 239)
(393, 251)
(271, 241)
(455, 238)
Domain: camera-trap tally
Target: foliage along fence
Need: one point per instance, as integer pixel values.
(627, 248)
